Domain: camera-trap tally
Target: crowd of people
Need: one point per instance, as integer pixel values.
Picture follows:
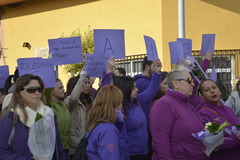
(149, 116)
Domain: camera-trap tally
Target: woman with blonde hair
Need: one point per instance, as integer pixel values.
(104, 117)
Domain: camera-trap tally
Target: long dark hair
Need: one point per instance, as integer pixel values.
(84, 98)
(126, 84)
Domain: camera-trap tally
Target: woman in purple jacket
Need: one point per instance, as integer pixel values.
(214, 111)
(20, 116)
(173, 119)
(133, 104)
(105, 121)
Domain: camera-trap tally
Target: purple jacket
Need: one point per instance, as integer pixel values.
(172, 121)
(105, 142)
(138, 117)
(230, 149)
(142, 82)
(19, 149)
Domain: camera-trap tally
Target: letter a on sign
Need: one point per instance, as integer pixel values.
(109, 43)
(108, 48)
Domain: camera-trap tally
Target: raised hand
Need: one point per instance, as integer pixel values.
(111, 64)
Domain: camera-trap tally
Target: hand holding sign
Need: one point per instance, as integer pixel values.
(208, 42)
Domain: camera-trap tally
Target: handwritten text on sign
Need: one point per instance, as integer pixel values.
(43, 68)
(66, 50)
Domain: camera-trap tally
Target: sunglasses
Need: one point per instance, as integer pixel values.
(33, 89)
(189, 80)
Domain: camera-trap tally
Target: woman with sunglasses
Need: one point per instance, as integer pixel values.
(79, 102)
(214, 111)
(173, 119)
(20, 115)
(135, 119)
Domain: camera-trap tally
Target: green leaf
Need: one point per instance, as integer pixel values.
(38, 117)
(213, 128)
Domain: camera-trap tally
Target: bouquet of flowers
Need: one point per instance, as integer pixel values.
(42, 137)
(212, 136)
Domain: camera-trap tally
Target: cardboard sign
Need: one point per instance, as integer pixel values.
(187, 46)
(43, 68)
(176, 52)
(195, 69)
(4, 73)
(95, 66)
(109, 43)
(208, 42)
(65, 50)
(152, 54)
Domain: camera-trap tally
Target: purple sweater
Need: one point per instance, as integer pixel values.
(230, 149)
(19, 149)
(172, 121)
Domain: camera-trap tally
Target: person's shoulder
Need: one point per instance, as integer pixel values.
(106, 127)
(141, 77)
(8, 118)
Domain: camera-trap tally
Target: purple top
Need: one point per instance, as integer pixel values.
(19, 149)
(172, 121)
(219, 114)
(142, 82)
(105, 142)
(136, 124)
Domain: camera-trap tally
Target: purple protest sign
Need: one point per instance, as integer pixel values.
(213, 74)
(66, 50)
(208, 42)
(187, 46)
(109, 43)
(95, 66)
(176, 52)
(152, 54)
(4, 73)
(43, 68)
(195, 69)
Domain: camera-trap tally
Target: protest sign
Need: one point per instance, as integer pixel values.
(152, 54)
(208, 42)
(43, 68)
(187, 46)
(109, 43)
(95, 66)
(65, 50)
(213, 74)
(176, 52)
(4, 73)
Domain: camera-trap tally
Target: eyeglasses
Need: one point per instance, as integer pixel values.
(189, 80)
(33, 89)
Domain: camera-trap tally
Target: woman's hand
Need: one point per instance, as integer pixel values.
(111, 64)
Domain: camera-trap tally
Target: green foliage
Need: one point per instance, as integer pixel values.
(87, 47)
